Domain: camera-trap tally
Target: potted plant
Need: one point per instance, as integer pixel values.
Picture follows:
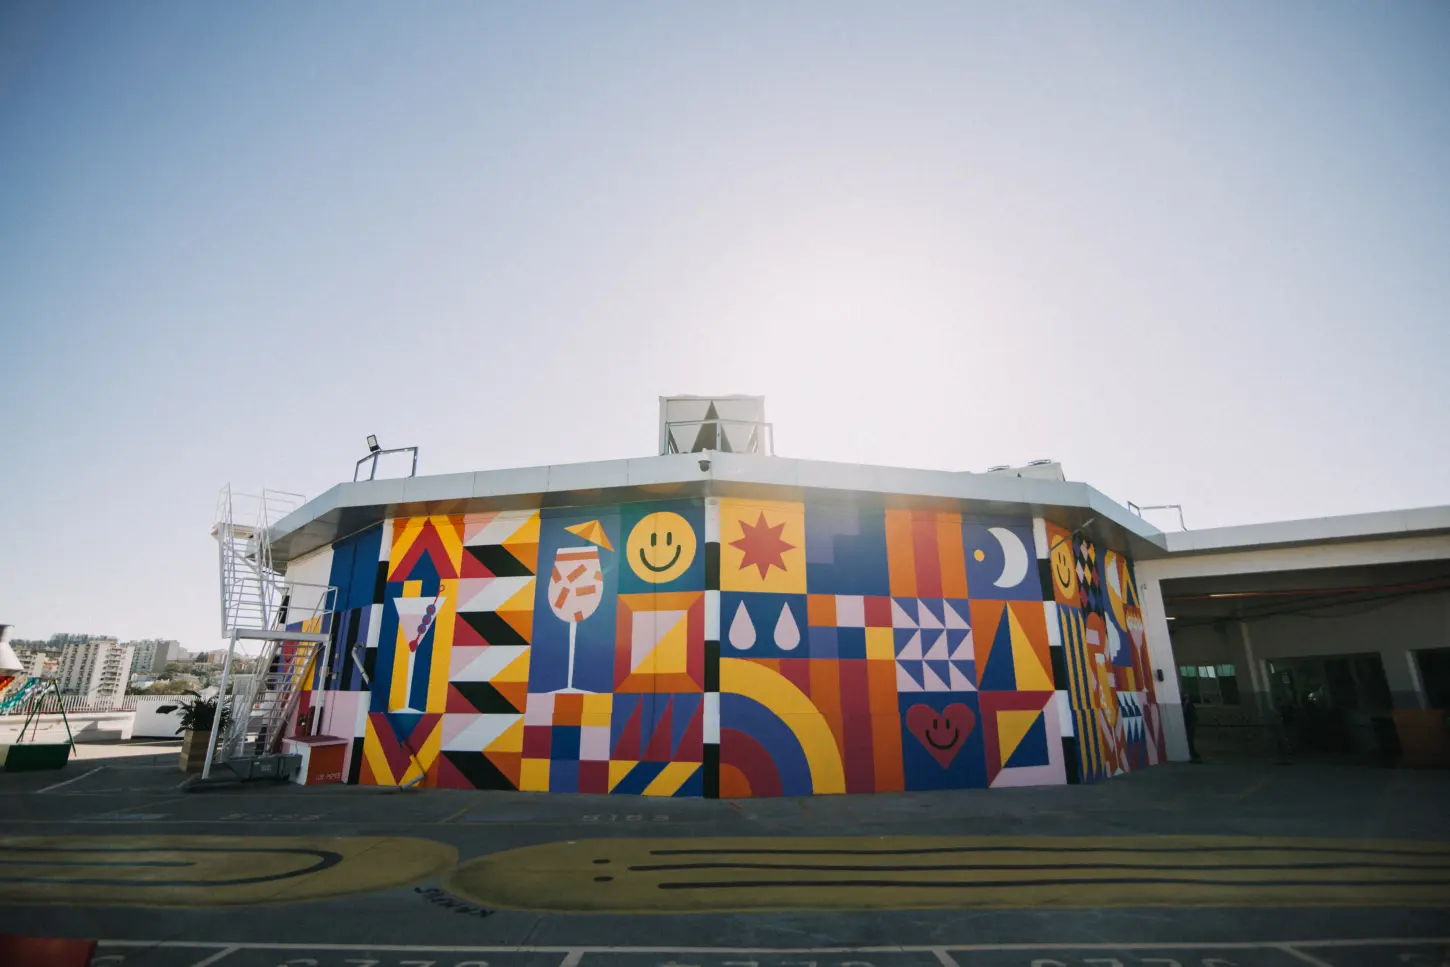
(198, 717)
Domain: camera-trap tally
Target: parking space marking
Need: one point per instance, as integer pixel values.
(78, 778)
(1391, 952)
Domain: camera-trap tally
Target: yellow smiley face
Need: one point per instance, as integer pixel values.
(661, 547)
(1064, 571)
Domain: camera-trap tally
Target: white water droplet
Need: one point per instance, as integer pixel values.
(787, 632)
(742, 631)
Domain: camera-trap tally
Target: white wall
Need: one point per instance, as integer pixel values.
(84, 726)
(152, 724)
(312, 573)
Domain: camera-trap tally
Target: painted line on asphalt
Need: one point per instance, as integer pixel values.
(572, 958)
(71, 780)
(946, 959)
(1285, 945)
(1307, 958)
(225, 951)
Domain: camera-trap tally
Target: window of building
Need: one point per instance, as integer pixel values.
(1209, 684)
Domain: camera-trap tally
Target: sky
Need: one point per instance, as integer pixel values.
(1199, 253)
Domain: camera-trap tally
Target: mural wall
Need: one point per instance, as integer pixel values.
(735, 647)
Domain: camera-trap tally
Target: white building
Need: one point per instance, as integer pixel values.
(97, 669)
(34, 662)
(151, 655)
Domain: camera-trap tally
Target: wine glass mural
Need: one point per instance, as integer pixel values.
(576, 584)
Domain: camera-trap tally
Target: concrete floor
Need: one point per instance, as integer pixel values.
(410, 872)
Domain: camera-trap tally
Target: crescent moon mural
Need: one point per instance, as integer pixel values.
(1014, 558)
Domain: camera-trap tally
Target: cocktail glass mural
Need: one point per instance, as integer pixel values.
(415, 617)
(576, 586)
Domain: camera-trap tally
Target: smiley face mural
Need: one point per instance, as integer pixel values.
(865, 649)
(1062, 566)
(661, 547)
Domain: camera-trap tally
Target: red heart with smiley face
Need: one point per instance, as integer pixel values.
(941, 732)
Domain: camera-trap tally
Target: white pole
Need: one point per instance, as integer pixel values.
(320, 688)
(216, 722)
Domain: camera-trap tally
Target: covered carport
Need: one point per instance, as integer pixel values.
(1325, 637)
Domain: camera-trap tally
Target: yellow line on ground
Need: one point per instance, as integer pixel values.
(801, 873)
(210, 871)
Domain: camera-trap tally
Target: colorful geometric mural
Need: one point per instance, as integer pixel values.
(737, 647)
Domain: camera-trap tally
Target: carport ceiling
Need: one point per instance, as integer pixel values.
(1278, 592)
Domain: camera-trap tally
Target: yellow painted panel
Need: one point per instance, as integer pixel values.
(437, 700)
(880, 645)
(762, 545)
(671, 778)
(534, 776)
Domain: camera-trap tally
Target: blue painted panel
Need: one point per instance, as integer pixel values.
(846, 551)
(594, 642)
(965, 762)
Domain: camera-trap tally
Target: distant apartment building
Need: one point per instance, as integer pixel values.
(36, 663)
(151, 655)
(97, 669)
(60, 639)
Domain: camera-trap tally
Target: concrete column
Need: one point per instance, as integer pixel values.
(1160, 654)
(1258, 680)
(1402, 674)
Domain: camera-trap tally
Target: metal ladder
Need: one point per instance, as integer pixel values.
(258, 604)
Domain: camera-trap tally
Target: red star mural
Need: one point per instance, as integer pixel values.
(762, 546)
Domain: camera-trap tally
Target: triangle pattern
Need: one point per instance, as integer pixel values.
(964, 650)
(1031, 748)
(666, 653)
(517, 693)
(495, 560)
(465, 637)
(627, 746)
(515, 671)
(899, 617)
(1012, 726)
(994, 669)
(925, 617)
(938, 650)
(658, 747)
(509, 764)
(953, 620)
(958, 681)
(931, 680)
(1030, 675)
(428, 541)
(904, 681)
(912, 651)
(511, 741)
(482, 697)
(618, 769)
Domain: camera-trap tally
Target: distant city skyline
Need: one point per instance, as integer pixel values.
(1193, 252)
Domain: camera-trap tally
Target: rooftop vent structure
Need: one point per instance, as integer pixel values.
(1037, 470)
(725, 424)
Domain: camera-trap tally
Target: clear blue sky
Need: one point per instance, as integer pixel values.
(1200, 253)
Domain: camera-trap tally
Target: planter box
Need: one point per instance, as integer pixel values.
(193, 749)
(30, 756)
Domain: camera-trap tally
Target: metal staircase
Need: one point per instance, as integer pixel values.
(259, 604)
